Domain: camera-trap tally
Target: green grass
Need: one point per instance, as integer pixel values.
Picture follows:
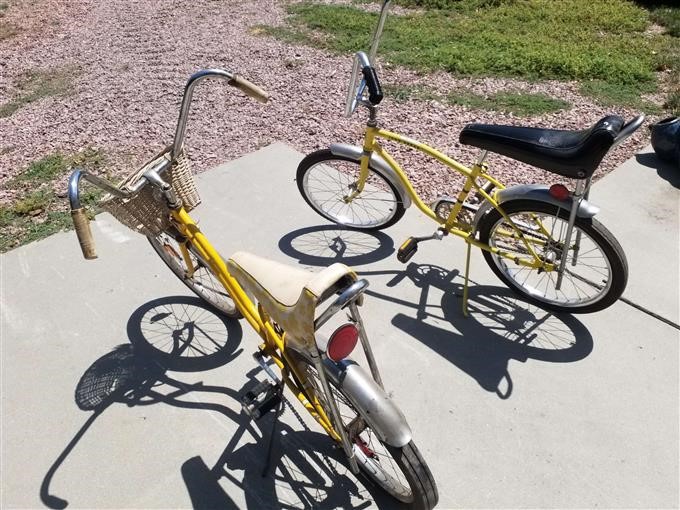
(598, 40)
(667, 17)
(517, 103)
(43, 170)
(38, 212)
(37, 85)
(610, 94)
(521, 104)
(405, 92)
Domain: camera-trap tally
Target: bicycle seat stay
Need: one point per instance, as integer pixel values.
(573, 154)
(288, 294)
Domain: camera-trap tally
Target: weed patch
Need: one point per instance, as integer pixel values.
(38, 211)
(521, 104)
(609, 94)
(38, 85)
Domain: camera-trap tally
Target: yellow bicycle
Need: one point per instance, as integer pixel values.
(541, 241)
(282, 304)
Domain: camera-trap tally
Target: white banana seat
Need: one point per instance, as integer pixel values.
(288, 294)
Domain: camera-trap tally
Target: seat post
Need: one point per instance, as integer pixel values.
(482, 157)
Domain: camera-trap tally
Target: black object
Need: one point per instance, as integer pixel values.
(573, 154)
(375, 94)
(407, 250)
(665, 136)
(261, 399)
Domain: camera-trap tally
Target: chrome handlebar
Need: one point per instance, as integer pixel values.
(154, 173)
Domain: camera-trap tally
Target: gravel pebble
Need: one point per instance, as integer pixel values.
(133, 58)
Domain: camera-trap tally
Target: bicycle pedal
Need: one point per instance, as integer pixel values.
(407, 250)
(260, 399)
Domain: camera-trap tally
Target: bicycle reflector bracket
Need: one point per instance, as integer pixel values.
(342, 342)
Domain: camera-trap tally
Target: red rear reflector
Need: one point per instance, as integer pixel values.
(559, 191)
(342, 342)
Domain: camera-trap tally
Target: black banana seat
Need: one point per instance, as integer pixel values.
(573, 154)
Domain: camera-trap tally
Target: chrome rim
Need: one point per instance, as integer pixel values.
(371, 454)
(329, 183)
(584, 283)
(203, 281)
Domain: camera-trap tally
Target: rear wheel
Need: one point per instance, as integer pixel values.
(596, 270)
(202, 281)
(401, 472)
(325, 181)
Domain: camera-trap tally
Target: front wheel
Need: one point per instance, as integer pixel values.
(596, 271)
(194, 272)
(327, 181)
(401, 472)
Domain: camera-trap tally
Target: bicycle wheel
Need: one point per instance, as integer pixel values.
(326, 180)
(202, 282)
(596, 271)
(401, 472)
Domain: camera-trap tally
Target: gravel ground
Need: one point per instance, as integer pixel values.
(133, 58)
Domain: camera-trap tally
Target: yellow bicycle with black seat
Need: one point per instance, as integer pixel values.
(542, 241)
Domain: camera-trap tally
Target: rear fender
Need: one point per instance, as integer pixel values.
(380, 413)
(538, 193)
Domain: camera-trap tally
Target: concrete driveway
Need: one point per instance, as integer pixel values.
(512, 407)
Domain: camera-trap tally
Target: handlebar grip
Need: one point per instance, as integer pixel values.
(375, 94)
(82, 224)
(249, 89)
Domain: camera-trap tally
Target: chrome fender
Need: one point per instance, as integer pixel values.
(539, 193)
(378, 163)
(381, 414)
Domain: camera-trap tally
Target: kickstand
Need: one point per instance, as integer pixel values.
(277, 413)
(465, 287)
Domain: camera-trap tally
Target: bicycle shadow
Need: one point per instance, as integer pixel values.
(500, 327)
(323, 245)
(665, 170)
(135, 374)
(306, 471)
(182, 334)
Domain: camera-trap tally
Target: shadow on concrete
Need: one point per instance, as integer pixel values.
(325, 244)
(307, 471)
(500, 326)
(182, 334)
(665, 170)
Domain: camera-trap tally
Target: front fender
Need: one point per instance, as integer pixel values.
(378, 164)
(539, 193)
(380, 413)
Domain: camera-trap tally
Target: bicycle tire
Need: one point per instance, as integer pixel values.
(203, 282)
(418, 490)
(591, 287)
(324, 180)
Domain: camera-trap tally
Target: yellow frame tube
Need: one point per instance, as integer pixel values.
(273, 341)
(471, 174)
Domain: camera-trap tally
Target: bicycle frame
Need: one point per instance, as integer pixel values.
(451, 224)
(274, 343)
